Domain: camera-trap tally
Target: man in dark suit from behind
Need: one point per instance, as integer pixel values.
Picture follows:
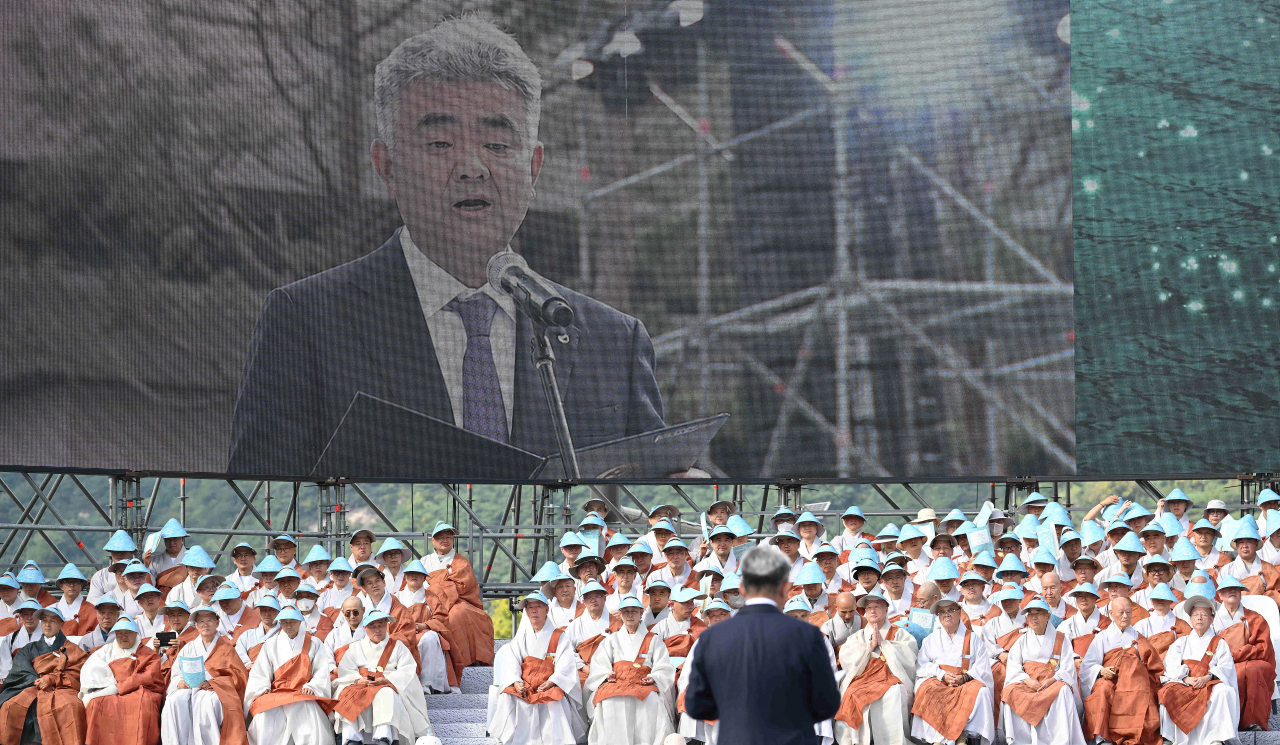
(765, 676)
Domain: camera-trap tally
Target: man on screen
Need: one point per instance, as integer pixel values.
(416, 322)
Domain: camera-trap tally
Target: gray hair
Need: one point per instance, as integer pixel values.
(456, 49)
(764, 568)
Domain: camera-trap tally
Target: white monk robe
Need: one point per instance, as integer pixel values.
(1269, 553)
(585, 627)
(10, 645)
(975, 611)
(513, 720)
(626, 719)
(886, 719)
(1105, 641)
(1061, 724)
(435, 668)
(615, 598)
(162, 562)
(147, 627)
(127, 601)
(399, 715)
(103, 582)
(941, 648)
(342, 635)
(558, 615)
(1156, 624)
(690, 728)
(96, 678)
(1077, 625)
(838, 632)
(334, 596)
(252, 638)
(191, 716)
(1223, 714)
(92, 640)
(186, 592)
(651, 620)
(298, 723)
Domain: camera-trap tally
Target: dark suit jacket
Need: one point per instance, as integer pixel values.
(765, 676)
(360, 327)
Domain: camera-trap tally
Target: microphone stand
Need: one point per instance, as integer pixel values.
(544, 359)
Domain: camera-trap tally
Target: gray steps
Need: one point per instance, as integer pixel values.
(460, 719)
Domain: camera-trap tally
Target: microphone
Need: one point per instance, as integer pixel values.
(509, 272)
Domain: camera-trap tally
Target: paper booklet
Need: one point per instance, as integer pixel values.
(192, 669)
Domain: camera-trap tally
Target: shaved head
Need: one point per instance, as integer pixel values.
(1051, 588)
(1121, 613)
(926, 595)
(846, 606)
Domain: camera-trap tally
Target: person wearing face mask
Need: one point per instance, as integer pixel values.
(731, 593)
(287, 693)
(430, 634)
(237, 616)
(783, 520)
(131, 717)
(340, 589)
(306, 598)
(1199, 703)
(213, 711)
(40, 697)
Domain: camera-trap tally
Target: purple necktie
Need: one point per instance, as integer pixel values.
(482, 409)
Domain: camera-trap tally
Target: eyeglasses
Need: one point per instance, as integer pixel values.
(352, 612)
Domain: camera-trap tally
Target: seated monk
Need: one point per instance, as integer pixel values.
(953, 681)
(349, 628)
(287, 693)
(973, 588)
(307, 599)
(27, 631)
(376, 597)
(879, 664)
(237, 616)
(1163, 625)
(431, 635)
(81, 617)
(630, 675)
(1120, 586)
(1155, 571)
(536, 673)
(379, 695)
(1038, 703)
(681, 629)
(106, 613)
(212, 711)
(340, 588)
(41, 695)
(589, 629)
(123, 690)
(454, 595)
(177, 620)
(249, 643)
(716, 612)
(9, 603)
(1249, 637)
(1198, 701)
(1085, 622)
(1119, 679)
(1001, 633)
(1258, 577)
(844, 621)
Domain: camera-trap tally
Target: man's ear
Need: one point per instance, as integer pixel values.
(382, 164)
(535, 164)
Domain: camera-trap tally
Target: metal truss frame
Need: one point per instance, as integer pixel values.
(527, 535)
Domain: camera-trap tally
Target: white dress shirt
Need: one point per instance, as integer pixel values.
(436, 289)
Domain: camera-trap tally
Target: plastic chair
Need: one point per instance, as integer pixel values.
(1267, 608)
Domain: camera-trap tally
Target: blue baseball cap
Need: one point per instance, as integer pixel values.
(630, 601)
(374, 616)
(125, 624)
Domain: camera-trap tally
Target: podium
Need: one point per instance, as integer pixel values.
(378, 439)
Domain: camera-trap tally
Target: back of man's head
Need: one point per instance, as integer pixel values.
(764, 571)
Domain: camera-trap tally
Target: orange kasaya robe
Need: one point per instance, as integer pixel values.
(588, 648)
(1186, 705)
(84, 621)
(947, 708)
(999, 668)
(59, 714)
(229, 677)
(132, 715)
(356, 698)
(421, 613)
(630, 676)
(1255, 659)
(1165, 639)
(171, 578)
(286, 685)
(680, 644)
(166, 664)
(454, 595)
(1031, 705)
(1125, 711)
(249, 619)
(534, 671)
(872, 683)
